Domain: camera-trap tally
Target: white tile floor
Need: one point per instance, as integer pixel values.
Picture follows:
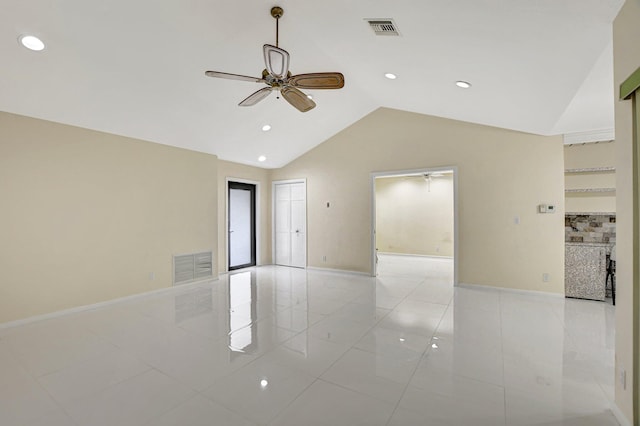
(315, 348)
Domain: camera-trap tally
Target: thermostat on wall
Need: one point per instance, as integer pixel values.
(546, 208)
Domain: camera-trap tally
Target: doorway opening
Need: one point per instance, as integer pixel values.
(414, 217)
(241, 231)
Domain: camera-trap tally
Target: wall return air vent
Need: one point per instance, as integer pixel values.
(192, 267)
(384, 27)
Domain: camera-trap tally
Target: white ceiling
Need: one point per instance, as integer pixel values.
(136, 68)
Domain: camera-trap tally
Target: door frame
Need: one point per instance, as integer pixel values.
(273, 218)
(226, 218)
(456, 245)
(630, 90)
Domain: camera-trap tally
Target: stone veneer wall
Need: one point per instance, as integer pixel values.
(590, 228)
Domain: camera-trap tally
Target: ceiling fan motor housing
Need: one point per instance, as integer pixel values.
(277, 12)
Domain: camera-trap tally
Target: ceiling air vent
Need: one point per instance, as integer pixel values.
(385, 27)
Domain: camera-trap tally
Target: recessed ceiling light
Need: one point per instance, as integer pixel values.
(31, 42)
(264, 383)
(463, 84)
(391, 76)
(266, 128)
(262, 158)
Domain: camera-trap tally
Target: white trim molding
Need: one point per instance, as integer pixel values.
(603, 135)
(386, 253)
(338, 271)
(617, 413)
(510, 290)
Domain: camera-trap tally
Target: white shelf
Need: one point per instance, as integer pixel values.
(592, 170)
(589, 190)
(590, 213)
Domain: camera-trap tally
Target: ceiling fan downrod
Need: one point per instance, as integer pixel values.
(277, 13)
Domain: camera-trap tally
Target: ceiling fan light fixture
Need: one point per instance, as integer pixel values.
(463, 84)
(391, 76)
(266, 128)
(278, 78)
(31, 42)
(262, 158)
(276, 60)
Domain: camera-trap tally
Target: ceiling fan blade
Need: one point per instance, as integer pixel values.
(318, 80)
(256, 97)
(298, 99)
(276, 61)
(228, 76)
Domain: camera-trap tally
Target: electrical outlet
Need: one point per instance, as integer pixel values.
(152, 276)
(516, 220)
(545, 277)
(324, 258)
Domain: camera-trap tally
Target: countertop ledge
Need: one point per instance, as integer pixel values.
(573, 243)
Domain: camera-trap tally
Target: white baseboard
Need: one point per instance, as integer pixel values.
(77, 309)
(617, 413)
(385, 253)
(338, 271)
(510, 290)
(308, 268)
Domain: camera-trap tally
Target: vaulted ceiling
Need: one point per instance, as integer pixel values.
(136, 68)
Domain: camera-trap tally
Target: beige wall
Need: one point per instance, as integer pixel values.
(580, 156)
(235, 171)
(87, 216)
(626, 54)
(590, 155)
(496, 170)
(590, 203)
(415, 216)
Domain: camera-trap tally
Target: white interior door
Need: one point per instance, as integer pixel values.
(290, 223)
(282, 224)
(298, 225)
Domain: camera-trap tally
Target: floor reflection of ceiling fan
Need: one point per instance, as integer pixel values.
(277, 77)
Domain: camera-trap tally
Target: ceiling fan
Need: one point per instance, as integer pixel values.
(277, 77)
